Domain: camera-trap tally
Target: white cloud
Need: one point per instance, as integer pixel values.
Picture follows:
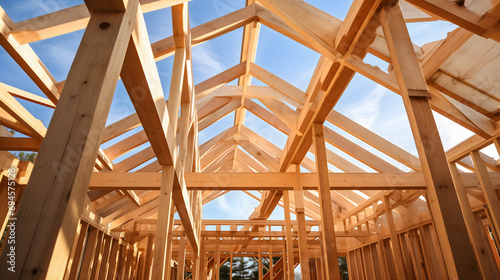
(205, 61)
(367, 110)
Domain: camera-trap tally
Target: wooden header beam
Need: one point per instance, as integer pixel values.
(272, 181)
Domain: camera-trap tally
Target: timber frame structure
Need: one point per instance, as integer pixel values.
(80, 215)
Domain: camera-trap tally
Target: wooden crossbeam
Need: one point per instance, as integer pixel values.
(69, 20)
(273, 180)
(19, 144)
(207, 31)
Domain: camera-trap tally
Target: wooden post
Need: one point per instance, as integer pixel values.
(271, 268)
(128, 264)
(149, 258)
(182, 258)
(325, 198)
(380, 243)
(101, 274)
(72, 273)
(488, 189)
(80, 234)
(98, 255)
(131, 263)
(301, 224)
(283, 259)
(217, 262)
(168, 257)
(312, 268)
(396, 249)
(140, 267)
(88, 256)
(445, 208)
(202, 267)
(50, 208)
(113, 258)
(163, 224)
(289, 241)
(259, 255)
(483, 252)
(122, 260)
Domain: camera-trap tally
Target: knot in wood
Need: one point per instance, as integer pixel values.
(104, 25)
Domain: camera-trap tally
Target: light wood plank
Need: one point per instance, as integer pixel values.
(68, 165)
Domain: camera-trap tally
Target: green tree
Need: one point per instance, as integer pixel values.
(225, 270)
(22, 156)
(343, 268)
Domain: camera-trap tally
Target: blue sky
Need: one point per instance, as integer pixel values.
(364, 101)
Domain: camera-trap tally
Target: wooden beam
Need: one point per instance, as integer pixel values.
(139, 71)
(443, 200)
(274, 181)
(479, 100)
(22, 94)
(252, 92)
(440, 103)
(286, 114)
(396, 248)
(28, 61)
(22, 115)
(120, 127)
(458, 14)
(483, 253)
(126, 145)
(327, 221)
(374, 140)
(277, 83)
(488, 190)
(219, 80)
(359, 153)
(433, 59)
(59, 181)
(68, 20)
(301, 224)
(329, 81)
(267, 116)
(207, 31)
(19, 144)
(181, 259)
(288, 238)
(314, 25)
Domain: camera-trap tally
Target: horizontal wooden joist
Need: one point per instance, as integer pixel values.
(271, 181)
(256, 234)
(208, 222)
